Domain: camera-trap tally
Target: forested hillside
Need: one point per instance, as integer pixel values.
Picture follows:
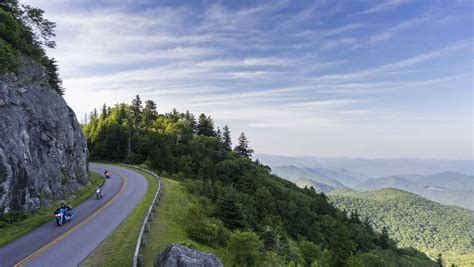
(261, 218)
(413, 221)
(447, 188)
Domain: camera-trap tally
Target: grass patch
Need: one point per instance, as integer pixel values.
(169, 225)
(31, 221)
(118, 248)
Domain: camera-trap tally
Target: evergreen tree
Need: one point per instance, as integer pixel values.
(229, 210)
(149, 113)
(103, 113)
(189, 117)
(174, 115)
(54, 81)
(122, 113)
(439, 260)
(219, 134)
(205, 126)
(384, 239)
(243, 149)
(226, 138)
(355, 217)
(93, 115)
(136, 109)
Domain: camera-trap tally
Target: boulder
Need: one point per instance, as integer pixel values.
(181, 256)
(43, 152)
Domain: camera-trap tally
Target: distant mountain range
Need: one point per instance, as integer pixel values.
(447, 188)
(326, 174)
(333, 177)
(373, 168)
(414, 221)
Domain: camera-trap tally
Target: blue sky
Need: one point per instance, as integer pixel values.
(330, 78)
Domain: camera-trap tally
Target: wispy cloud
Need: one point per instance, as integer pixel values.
(291, 65)
(388, 33)
(384, 6)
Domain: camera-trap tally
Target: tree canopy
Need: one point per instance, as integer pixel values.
(24, 32)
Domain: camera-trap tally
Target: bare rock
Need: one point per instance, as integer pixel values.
(43, 152)
(181, 256)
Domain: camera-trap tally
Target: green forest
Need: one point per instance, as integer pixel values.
(261, 218)
(414, 221)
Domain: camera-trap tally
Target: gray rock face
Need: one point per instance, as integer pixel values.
(181, 256)
(43, 152)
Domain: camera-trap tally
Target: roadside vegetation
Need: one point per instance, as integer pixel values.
(16, 224)
(255, 217)
(169, 224)
(118, 248)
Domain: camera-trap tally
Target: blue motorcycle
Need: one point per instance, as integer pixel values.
(62, 216)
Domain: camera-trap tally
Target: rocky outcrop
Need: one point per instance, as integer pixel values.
(43, 152)
(181, 256)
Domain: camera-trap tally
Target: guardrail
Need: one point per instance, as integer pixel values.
(137, 257)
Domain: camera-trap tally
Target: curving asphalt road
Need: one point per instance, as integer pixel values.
(68, 245)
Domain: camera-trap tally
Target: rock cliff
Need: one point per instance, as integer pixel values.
(43, 152)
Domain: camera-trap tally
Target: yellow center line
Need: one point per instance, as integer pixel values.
(70, 231)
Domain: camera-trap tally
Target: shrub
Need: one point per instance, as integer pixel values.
(210, 232)
(13, 217)
(244, 249)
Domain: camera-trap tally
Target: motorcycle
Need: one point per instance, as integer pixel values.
(98, 192)
(62, 216)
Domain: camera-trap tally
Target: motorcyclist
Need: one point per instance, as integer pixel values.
(67, 208)
(106, 174)
(99, 191)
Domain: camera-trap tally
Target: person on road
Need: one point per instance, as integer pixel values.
(106, 174)
(67, 208)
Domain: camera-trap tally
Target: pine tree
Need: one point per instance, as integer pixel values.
(54, 80)
(219, 134)
(384, 239)
(243, 149)
(149, 113)
(354, 218)
(189, 117)
(122, 113)
(136, 109)
(226, 138)
(174, 115)
(439, 260)
(93, 115)
(103, 113)
(229, 210)
(205, 126)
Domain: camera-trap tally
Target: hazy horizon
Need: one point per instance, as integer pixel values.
(391, 79)
(367, 158)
